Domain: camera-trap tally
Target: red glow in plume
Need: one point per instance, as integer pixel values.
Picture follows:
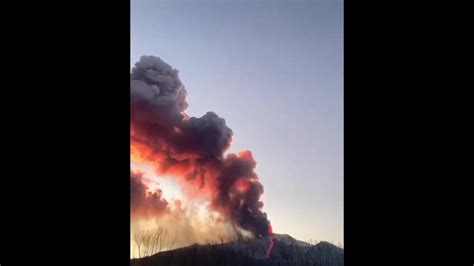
(191, 149)
(272, 241)
(270, 230)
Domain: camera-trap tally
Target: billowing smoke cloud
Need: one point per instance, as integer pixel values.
(191, 149)
(143, 202)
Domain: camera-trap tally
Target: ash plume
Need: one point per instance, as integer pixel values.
(143, 202)
(190, 148)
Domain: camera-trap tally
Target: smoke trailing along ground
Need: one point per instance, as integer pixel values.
(192, 149)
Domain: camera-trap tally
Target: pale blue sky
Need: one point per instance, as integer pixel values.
(274, 71)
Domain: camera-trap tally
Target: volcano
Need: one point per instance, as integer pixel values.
(286, 251)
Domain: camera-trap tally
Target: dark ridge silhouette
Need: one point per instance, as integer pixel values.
(286, 251)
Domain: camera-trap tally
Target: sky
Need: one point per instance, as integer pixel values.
(274, 71)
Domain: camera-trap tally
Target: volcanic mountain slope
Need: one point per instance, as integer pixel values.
(286, 251)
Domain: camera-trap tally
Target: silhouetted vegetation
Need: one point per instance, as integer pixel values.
(243, 251)
(152, 241)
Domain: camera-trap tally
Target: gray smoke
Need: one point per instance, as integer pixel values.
(144, 203)
(196, 145)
